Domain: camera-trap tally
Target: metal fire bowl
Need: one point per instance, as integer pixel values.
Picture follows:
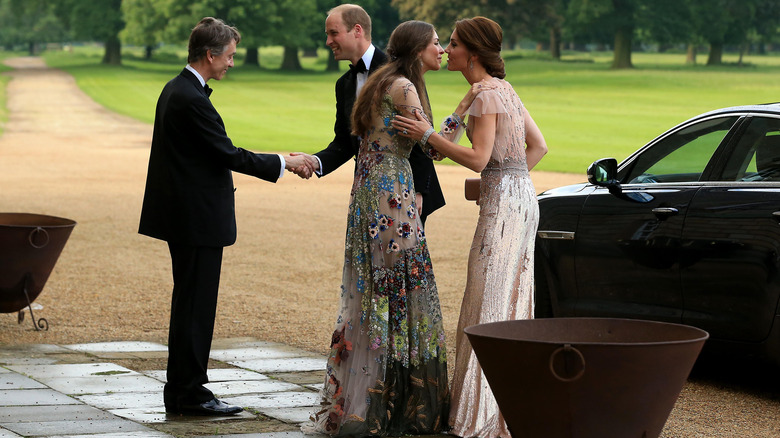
(30, 245)
(586, 377)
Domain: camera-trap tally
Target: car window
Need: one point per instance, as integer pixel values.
(756, 156)
(681, 156)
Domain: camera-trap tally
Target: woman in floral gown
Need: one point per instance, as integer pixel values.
(387, 369)
(506, 144)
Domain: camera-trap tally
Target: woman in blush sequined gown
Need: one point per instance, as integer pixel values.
(387, 370)
(506, 144)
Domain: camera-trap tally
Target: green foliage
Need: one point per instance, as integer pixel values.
(145, 22)
(585, 110)
(3, 82)
(28, 22)
(92, 20)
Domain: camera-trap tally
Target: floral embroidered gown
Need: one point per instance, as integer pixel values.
(387, 370)
(499, 284)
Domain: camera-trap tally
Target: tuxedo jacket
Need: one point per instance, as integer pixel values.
(189, 185)
(345, 146)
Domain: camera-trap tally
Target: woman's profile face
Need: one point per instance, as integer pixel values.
(457, 54)
(431, 54)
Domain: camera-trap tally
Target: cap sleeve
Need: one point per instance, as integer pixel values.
(486, 102)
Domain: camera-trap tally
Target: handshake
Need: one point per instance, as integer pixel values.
(303, 165)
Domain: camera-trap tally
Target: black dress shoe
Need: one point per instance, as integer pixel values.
(211, 407)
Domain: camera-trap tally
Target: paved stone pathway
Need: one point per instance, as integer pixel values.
(81, 390)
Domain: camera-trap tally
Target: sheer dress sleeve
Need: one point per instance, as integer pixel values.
(407, 101)
(486, 102)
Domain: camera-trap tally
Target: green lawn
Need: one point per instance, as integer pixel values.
(585, 110)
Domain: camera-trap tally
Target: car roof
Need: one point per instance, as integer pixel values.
(771, 108)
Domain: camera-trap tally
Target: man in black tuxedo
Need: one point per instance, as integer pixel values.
(189, 203)
(348, 29)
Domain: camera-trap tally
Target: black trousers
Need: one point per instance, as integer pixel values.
(196, 273)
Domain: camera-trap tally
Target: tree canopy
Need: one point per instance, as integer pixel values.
(619, 25)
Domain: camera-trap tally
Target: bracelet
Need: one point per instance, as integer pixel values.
(458, 119)
(451, 123)
(425, 136)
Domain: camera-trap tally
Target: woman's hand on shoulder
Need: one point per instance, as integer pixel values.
(478, 87)
(411, 128)
(468, 99)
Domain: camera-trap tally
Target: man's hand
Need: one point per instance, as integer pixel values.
(300, 164)
(309, 166)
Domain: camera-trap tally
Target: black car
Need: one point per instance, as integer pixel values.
(685, 230)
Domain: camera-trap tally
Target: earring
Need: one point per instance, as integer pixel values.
(471, 65)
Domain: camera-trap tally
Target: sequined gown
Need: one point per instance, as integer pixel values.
(387, 370)
(499, 285)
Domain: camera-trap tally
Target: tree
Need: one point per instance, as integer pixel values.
(767, 22)
(384, 18)
(29, 23)
(517, 18)
(144, 24)
(720, 22)
(440, 13)
(656, 20)
(253, 18)
(552, 22)
(294, 19)
(95, 21)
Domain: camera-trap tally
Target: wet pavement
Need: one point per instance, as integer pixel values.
(114, 389)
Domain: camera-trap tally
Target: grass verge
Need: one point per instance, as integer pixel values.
(585, 110)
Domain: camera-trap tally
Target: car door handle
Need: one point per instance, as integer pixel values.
(665, 212)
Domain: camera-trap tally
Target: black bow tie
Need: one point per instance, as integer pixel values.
(359, 68)
(207, 89)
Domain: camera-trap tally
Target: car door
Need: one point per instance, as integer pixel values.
(730, 258)
(627, 244)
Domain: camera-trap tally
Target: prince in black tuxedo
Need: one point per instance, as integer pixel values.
(189, 203)
(348, 29)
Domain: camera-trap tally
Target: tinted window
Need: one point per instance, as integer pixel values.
(681, 156)
(756, 156)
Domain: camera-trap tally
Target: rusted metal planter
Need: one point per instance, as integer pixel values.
(586, 377)
(30, 245)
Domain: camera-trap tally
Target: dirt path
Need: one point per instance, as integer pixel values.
(64, 155)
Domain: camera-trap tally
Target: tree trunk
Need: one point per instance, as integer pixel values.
(148, 52)
(622, 57)
(555, 42)
(113, 55)
(252, 56)
(716, 54)
(333, 65)
(690, 57)
(290, 61)
(744, 48)
(31, 49)
(310, 53)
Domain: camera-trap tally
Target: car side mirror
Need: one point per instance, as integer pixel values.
(603, 173)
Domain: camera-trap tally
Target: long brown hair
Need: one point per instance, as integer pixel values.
(406, 42)
(482, 37)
